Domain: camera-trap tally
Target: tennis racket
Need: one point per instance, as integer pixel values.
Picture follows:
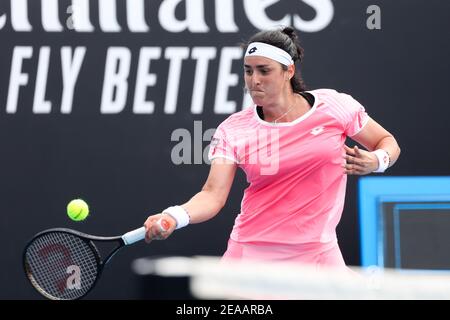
(64, 264)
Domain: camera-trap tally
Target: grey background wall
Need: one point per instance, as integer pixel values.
(118, 158)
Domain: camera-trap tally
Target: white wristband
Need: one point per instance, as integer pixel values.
(383, 160)
(179, 214)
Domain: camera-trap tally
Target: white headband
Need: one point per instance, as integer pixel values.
(266, 50)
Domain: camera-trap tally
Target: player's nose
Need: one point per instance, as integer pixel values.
(255, 80)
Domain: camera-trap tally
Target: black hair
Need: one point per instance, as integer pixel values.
(287, 40)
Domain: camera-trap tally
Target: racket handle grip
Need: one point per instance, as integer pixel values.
(134, 236)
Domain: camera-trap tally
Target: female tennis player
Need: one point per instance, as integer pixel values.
(290, 144)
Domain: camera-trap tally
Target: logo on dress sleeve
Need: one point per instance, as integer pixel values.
(214, 142)
(213, 145)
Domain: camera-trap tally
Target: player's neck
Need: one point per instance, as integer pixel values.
(286, 109)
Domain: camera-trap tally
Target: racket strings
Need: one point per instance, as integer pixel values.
(61, 265)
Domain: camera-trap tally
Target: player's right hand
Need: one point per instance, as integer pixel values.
(159, 227)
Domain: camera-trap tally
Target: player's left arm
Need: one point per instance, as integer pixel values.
(373, 137)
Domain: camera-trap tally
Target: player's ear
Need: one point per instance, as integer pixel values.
(289, 73)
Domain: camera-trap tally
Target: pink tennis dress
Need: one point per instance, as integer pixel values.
(295, 197)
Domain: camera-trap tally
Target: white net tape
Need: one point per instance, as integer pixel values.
(210, 279)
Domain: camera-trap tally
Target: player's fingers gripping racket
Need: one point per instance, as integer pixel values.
(158, 228)
(64, 264)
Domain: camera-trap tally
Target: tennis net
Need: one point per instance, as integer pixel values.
(212, 279)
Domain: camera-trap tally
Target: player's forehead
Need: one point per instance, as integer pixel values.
(258, 62)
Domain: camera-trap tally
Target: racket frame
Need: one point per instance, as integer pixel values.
(88, 239)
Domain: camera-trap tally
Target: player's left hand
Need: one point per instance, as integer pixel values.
(359, 162)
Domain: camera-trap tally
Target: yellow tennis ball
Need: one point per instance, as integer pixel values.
(77, 210)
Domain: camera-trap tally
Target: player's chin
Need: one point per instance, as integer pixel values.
(257, 97)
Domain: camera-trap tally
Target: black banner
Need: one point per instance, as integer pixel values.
(116, 102)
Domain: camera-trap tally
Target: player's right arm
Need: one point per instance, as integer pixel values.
(202, 206)
(213, 196)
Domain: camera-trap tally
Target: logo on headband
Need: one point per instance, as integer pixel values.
(252, 50)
